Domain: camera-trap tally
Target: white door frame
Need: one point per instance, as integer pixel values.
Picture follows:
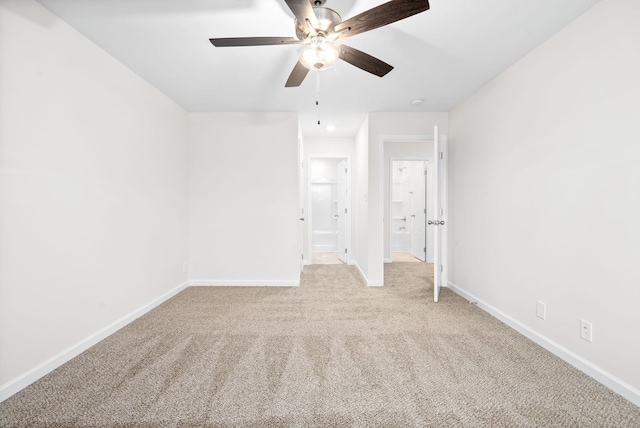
(347, 232)
(391, 161)
(341, 209)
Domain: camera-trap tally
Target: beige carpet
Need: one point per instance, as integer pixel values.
(329, 353)
(401, 256)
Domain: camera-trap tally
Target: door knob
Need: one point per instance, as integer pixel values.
(301, 218)
(430, 222)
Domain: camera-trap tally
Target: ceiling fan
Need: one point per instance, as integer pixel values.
(319, 30)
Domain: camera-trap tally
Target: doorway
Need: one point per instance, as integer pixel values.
(436, 145)
(329, 213)
(409, 201)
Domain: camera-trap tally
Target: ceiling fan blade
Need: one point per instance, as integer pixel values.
(364, 61)
(253, 41)
(303, 11)
(297, 76)
(379, 16)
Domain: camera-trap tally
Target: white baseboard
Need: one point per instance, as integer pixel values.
(607, 379)
(364, 277)
(243, 283)
(388, 260)
(26, 379)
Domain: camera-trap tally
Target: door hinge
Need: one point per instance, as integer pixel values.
(345, 170)
(441, 155)
(302, 256)
(424, 210)
(441, 211)
(345, 251)
(440, 268)
(424, 250)
(345, 210)
(301, 164)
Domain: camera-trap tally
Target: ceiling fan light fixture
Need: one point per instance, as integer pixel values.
(319, 53)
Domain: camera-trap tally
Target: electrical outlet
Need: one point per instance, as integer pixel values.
(586, 330)
(541, 310)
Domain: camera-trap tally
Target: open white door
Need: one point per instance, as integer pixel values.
(341, 178)
(301, 204)
(439, 213)
(418, 212)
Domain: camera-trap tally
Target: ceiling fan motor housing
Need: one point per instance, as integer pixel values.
(327, 20)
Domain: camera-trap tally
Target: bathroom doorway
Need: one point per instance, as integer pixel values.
(408, 210)
(329, 210)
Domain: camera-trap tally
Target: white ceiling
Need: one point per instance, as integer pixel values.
(441, 56)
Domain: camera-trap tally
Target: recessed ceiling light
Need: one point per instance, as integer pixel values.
(331, 128)
(416, 102)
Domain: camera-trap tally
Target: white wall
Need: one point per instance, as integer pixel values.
(545, 184)
(382, 126)
(323, 169)
(93, 192)
(360, 187)
(243, 198)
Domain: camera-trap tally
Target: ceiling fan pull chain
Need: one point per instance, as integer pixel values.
(318, 94)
